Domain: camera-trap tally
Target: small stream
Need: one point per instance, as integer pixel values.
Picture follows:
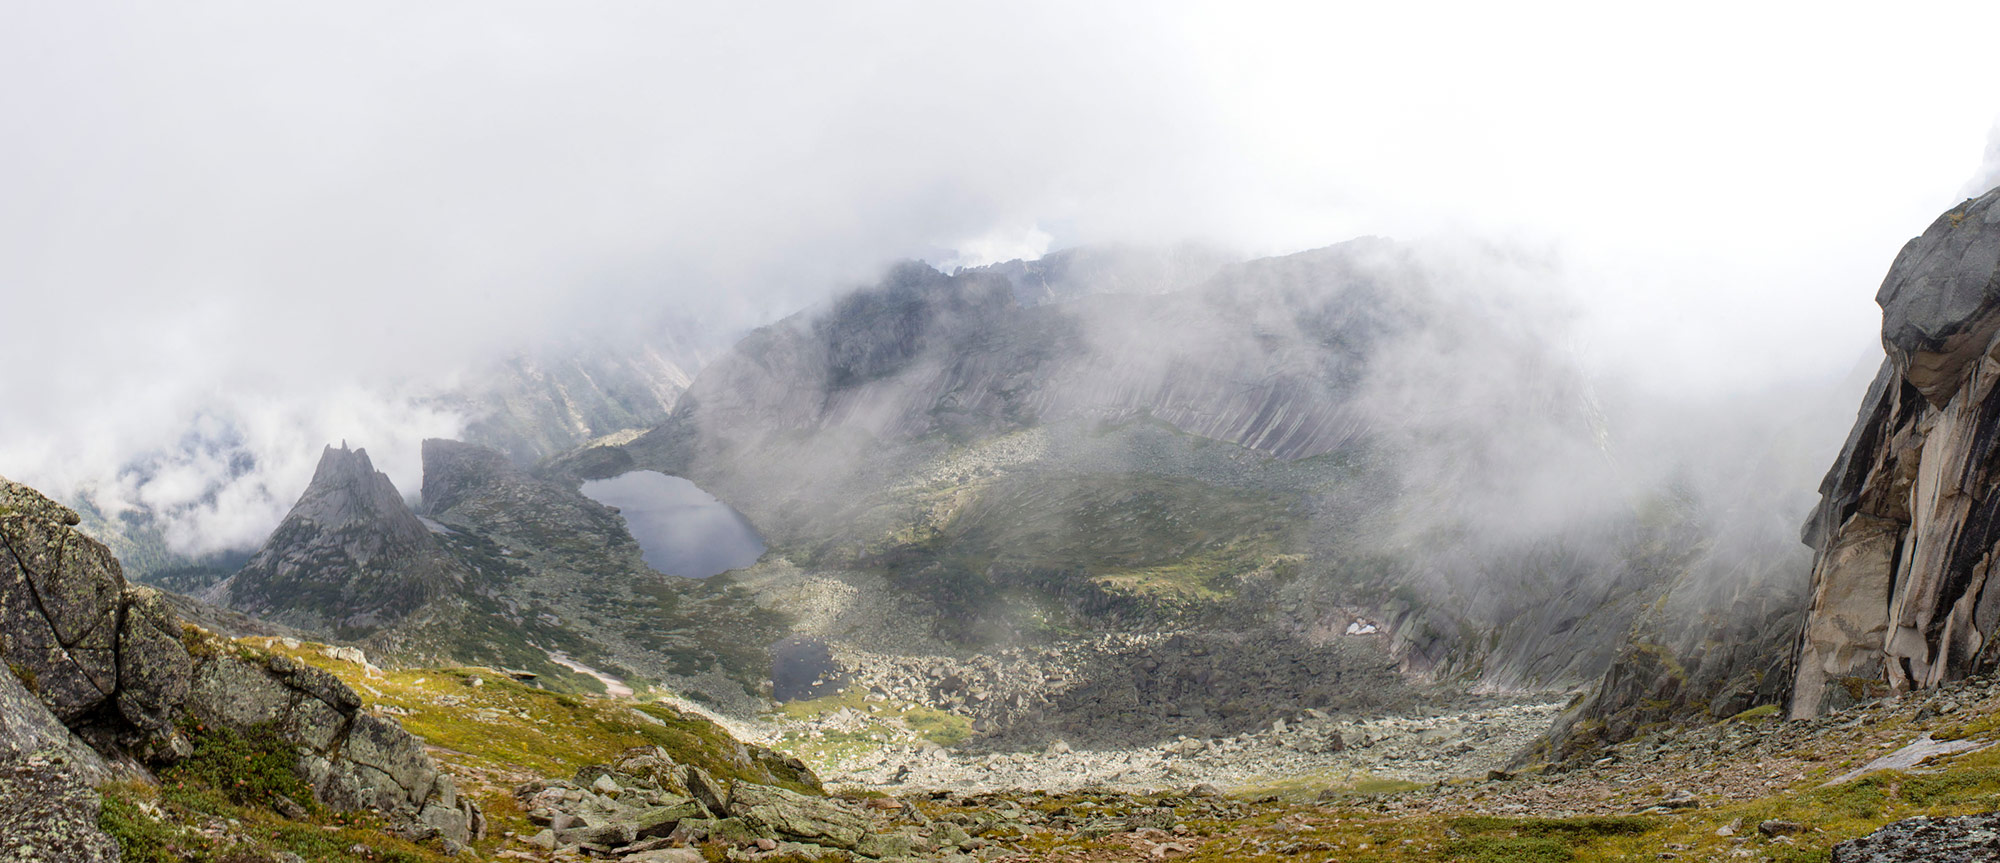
(681, 529)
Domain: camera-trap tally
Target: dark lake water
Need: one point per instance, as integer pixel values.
(802, 667)
(681, 529)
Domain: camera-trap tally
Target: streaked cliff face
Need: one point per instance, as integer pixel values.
(1908, 519)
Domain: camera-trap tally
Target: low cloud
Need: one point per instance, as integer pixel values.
(241, 217)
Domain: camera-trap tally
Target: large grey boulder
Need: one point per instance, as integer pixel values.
(73, 631)
(819, 820)
(1941, 299)
(351, 758)
(154, 669)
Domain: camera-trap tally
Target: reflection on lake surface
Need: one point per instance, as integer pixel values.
(681, 529)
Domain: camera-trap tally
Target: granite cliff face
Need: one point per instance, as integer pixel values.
(102, 678)
(349, 558)
(535, 404)
(1910, 512)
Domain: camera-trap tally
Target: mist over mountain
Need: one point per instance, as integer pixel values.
(1373, 433)
(500, 200)
(881, 431)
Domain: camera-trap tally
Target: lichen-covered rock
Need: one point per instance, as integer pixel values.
(66, 632)
(50, 813)
(89, 656)
(1963, 839)
(710, 793)
(28, 728)
(818, 820)
(1909, 516)
(353, 759)
(154, 669)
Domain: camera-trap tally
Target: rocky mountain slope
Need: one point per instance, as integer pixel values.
(574, 581)
(350, 557)
(1368, 433)
(1904, 534)
(535, 404)
(504, 568)
(106, 683)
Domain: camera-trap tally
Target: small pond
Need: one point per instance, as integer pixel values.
(681, 529)
(801, 668)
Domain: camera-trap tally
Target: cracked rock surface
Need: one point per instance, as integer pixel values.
(100, 672)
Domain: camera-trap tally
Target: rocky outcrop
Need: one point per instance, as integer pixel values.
(349, 558)
(1910, 512)
(102, 675)
(105, 657)
(353, 760)
(537, 403)
(476, 486)
(646, 804)
(1959, 839)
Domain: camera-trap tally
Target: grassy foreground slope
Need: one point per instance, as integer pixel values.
(1753, 787)
(237, 801)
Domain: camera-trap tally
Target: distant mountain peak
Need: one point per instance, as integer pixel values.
(350, 554)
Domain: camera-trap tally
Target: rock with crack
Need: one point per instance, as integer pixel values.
(787, 813)
(1901, 594)
(46, 775)
(352, 759)
(100, 673)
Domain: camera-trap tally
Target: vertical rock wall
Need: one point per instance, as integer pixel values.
(1909, 516)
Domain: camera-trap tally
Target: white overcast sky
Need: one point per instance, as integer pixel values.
(284, 216)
